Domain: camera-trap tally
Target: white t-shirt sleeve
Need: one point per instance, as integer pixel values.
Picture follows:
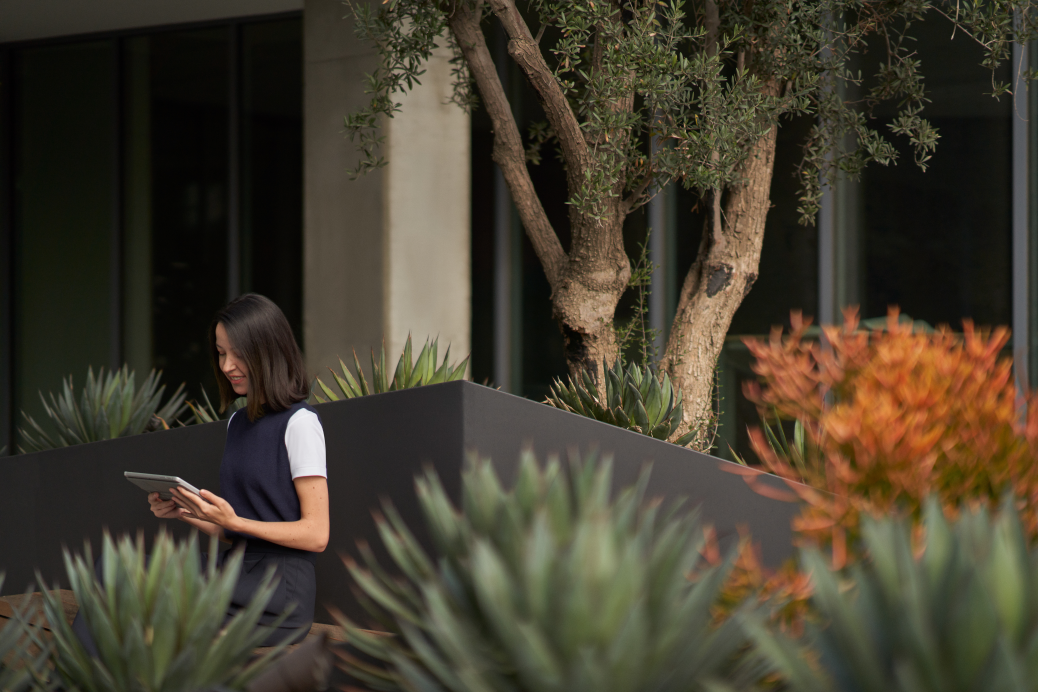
(304, 439)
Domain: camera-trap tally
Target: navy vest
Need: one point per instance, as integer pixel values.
(255, 476)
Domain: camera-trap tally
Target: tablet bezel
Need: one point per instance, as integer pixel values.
(157, 483)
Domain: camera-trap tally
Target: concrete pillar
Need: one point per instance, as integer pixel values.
(386, 254)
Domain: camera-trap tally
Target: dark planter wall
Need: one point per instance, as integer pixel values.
(375, 447)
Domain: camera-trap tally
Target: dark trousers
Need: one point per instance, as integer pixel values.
(296, 584)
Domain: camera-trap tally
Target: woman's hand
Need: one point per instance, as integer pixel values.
(209, 508)
(164, 509)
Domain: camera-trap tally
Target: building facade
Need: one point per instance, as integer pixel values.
(157, 160)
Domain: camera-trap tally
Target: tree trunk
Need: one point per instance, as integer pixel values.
(585, 297)
(723, 273)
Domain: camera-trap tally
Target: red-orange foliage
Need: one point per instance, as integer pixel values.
(895, 416)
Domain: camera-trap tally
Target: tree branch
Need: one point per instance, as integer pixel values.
(526, 53)
(508, 152)
(712, 21)
(629, 203)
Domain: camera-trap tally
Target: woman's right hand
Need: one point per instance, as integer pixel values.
(164, 509)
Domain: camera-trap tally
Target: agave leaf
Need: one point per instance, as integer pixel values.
(653, 403)
(403, 368)
(332, 396)
(364, 389)
(641, 417)
(459, 372)
(419, 372)
(347, 383)
(686, 439)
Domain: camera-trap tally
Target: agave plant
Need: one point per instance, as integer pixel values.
(158, 620)
(636, 399)
(205, 412)
(409, 373)
(21, 668)
(548, 587)
(961, 616)
(110, 406)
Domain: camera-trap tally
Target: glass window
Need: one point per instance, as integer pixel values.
(64, 199)
(938, 243)
(120, 182)
(272, 165)
(178, 196)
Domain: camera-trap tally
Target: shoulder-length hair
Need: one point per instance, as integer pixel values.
(260, 335)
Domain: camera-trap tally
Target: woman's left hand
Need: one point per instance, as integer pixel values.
(210, 507)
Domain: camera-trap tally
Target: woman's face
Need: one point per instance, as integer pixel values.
(231, 364)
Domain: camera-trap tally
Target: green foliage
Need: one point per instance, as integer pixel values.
(409, 373)
(637, 334)
(405, 35)
(158, 620)
(20, 669)
(550, 587)
(205, 412)
(110, 406)
(704, 80)
(798, 452)
(636, 399)
(962, 616)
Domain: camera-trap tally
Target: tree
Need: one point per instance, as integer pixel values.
(642, 93)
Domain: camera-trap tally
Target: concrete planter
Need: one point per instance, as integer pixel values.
(376, 445)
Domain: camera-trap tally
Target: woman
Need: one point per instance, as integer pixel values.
(274, 492)
(273, 478)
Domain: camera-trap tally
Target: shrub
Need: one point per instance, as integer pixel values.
(894, 416)
(636, 399)
(550, 586)
(963, 615)
(408, 373)
(110, 406)
(157, 620)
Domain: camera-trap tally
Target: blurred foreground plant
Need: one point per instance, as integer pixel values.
(22, 669)
(110, 406)
(548, 587)
(636, 399)
(892, 417)
(959, 612)
(158, 620)
(409, 373)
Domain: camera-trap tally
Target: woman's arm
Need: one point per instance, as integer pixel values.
(309, 533)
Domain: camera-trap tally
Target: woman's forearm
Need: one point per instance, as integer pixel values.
(302, 535)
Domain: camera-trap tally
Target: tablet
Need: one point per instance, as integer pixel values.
(154, 483)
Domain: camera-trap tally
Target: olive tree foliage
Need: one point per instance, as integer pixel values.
(638, 94)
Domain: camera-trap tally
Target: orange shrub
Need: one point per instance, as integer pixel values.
(894, 416)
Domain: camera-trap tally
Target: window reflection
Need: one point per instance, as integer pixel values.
(64, 201)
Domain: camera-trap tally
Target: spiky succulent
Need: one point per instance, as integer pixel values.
(157, 620)
(109, 406)
(963, 615)
(409, 373)
(205, 412)
(636, 399)
(550, 587)
(23, 652)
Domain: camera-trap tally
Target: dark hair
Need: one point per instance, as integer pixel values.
(262, 338)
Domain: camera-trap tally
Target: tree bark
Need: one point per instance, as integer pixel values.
(587, 282)
(721, 276)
